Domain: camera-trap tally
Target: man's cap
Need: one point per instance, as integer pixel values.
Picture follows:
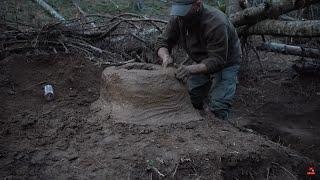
(181, 7)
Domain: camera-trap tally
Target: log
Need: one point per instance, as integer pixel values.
(309, 28)
(264, 11)
(290, 50)
(50, 10)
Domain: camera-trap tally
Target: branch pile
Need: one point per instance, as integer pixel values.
(100, 42)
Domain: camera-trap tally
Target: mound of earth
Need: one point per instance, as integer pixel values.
(68, 139)
(142, 94)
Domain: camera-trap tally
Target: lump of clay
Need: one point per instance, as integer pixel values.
(143, 94)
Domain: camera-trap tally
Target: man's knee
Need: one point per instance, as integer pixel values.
(222, 95)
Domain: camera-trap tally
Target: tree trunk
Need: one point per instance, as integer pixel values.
(290, 50)
(50, 10)
(284, 28)
(264, 11)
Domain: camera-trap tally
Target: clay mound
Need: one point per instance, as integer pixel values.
(144, 94)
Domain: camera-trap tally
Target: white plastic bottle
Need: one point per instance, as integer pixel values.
(48, 92)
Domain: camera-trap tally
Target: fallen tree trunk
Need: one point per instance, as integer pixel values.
(284, 28)
(264, 11)
(290, 50)
(50, 10)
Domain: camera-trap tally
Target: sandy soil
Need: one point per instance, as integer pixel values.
(65, 139)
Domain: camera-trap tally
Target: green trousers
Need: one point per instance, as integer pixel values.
(219, 94)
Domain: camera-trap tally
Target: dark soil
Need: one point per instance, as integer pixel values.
(66, 139)
(282, 105)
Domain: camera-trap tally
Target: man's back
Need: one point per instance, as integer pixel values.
(210, 33)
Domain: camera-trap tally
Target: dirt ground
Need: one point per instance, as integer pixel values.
(282, 105)
(276, 135)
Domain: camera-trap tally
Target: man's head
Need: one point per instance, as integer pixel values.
(185, 8)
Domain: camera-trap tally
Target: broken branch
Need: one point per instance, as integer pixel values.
(291, 50)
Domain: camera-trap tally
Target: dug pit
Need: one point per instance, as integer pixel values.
(65, 139)
(145, 94)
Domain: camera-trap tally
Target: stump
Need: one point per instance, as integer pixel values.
(145, 94)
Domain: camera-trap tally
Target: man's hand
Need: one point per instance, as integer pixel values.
(163, 53)
(167, 61)
(183, 73)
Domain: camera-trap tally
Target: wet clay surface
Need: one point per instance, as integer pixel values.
(69, 139)
(144, 94)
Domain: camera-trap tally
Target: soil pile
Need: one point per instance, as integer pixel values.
(145, 94)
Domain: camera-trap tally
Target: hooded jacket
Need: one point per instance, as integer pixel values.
(208, 38)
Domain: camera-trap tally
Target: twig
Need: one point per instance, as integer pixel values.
(90, 47)
(81, 49)
(116, 5)
(118, 63)
(112, 28)
(251, 176)
(175, 170)
(127, 14)
(140, 39)
(258, 57)
(147, 20)
(157, 171)
(66, 50)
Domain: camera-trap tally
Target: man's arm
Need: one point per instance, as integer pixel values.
(198, 69)
(167, 40)
(217, 47)
(183, 72)
(164, 54)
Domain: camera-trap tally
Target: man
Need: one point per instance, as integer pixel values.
(212, 43)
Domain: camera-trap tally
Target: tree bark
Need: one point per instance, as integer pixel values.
(284, 28)
(50, 10)
(290, 50)
(264, 11)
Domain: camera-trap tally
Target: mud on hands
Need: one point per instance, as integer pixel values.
(183, 72)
